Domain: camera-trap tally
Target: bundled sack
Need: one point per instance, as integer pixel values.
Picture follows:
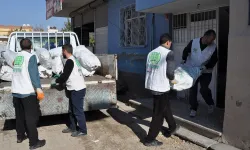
(84, 72)
(6, 73)
(44, 57)
(57, 65)
(87, 73)
(55, 52)
(186, 76)
(86, 58)
(9, 56)
(44, 73)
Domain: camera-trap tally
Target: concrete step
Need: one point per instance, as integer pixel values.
(192, 126)
(182, 132)
(141, 112)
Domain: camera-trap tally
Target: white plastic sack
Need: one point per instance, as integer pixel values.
(57, 65)
(86, 58)
(55, 52)
(9, 56)
(87, 73)
(44, 57)
(44, 73)
(6, 73)
(186, 77)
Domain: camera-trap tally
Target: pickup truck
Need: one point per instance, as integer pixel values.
(101, 91)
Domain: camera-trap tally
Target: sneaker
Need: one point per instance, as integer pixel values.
(67, 130)
(78, 133)
(210, 109)
(192, 113)
(152, 143)
(20, 140)
(39, 144)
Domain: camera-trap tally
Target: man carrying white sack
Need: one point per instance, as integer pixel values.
(75, 91)
(201, 52)
(159, 77)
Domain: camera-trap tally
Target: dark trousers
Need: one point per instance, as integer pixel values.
(161, 110)
(27, 112)
(206, 93)
(76, 112)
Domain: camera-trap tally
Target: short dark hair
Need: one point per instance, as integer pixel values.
(164, 38)
(68, 48)
(25, 44)
(210, 33)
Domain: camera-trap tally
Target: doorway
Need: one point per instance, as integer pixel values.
(222, 55)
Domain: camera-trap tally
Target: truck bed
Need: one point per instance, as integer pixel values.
(46, 82)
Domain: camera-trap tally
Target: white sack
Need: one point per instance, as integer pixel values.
(44, 73)
(86, 58)
(6, 73)
(57, 65)
(186, 77)
(44, 57)
(9, 56)
(87, 73)
(55, 52)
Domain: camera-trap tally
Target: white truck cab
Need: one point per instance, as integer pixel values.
(47, 40)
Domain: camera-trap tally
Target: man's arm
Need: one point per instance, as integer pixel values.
(187, 51)
(33, 72)
(170, 65)
(69, 65)
(212, 61)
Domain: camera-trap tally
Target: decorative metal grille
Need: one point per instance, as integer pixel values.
(192, 25)
(132, 27)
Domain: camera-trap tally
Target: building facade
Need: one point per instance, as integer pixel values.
(132, 35)
(230, 19)
(6, 30)
(131, 29)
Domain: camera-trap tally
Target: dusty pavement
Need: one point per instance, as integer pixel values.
(110, 129)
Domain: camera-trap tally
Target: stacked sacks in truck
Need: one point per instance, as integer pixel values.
(50, 61)
(87, 59)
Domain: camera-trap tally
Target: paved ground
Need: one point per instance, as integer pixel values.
(107, 130)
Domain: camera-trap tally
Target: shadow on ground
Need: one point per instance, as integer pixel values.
(57, 119)
(130, 121)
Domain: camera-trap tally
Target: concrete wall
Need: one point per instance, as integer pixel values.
(237, 110)
(101, 16)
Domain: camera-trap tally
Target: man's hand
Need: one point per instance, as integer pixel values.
(53, 82)
(183, 62)
(40, 94)
(174, 81)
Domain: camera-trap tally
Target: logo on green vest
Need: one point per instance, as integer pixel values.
(154, 59)
(18, 63)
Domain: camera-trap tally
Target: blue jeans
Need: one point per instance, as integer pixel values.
(76, 112)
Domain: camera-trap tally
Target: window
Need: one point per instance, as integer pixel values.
(188, 26)
(132, 27)
(180, 28)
